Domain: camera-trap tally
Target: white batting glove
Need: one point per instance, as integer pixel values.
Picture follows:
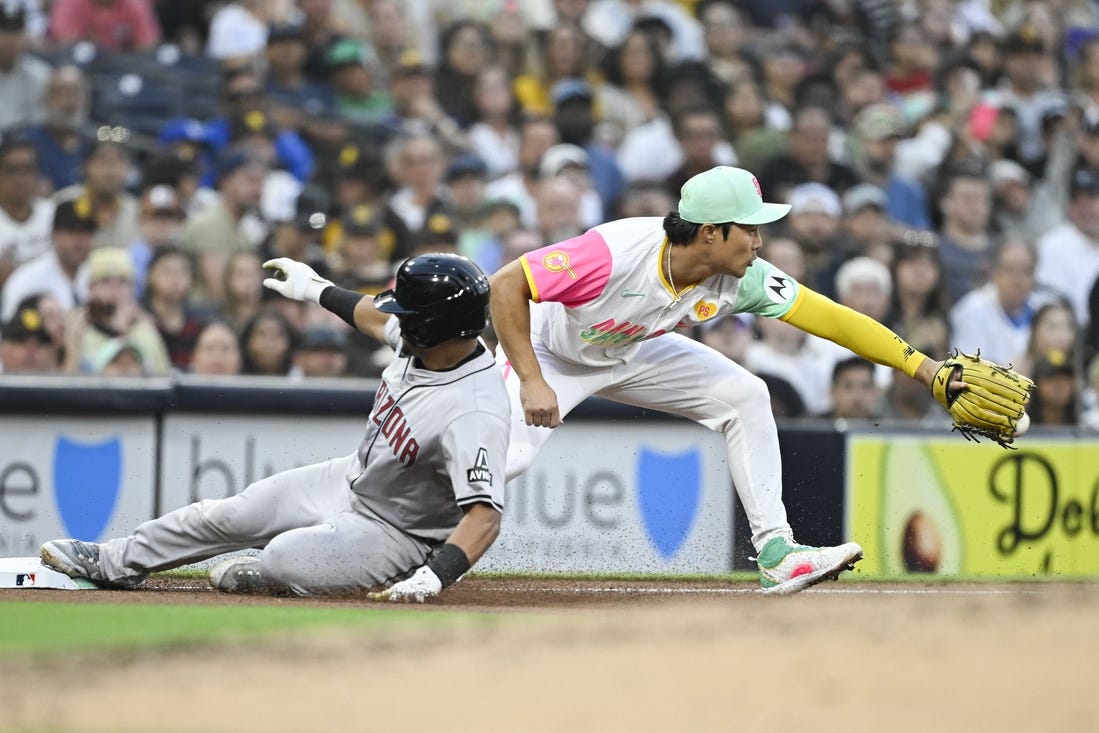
(423, 584)
(296, 280)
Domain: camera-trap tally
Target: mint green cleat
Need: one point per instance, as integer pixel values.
(787, 567)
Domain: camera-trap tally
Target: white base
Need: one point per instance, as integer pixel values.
(29, 572)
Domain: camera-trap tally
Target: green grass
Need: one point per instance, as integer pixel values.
(43, 628)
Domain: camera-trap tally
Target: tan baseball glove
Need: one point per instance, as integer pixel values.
(993, 401)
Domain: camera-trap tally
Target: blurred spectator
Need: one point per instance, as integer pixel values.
(160, 226)
(59, 271)
(23, 77)
(1021, 206)
(725, 33)
(1026, 87)
(243, 287)
(180, 170)
(168, 300)
(1053, 329)
(245, 103)
(1090, 337)
(782, 70)
(574, 116)
(215, 233)
(60, 137)
(729, 336)
(107, 167)
(361, 265)
(112, 25)
(1089, 399)
(877, 130)
(267, 344)
(814, 223)
(866, 228)
(390, 34)
(466, 49)
(321, 29)
(807, 158)
(853, 392)
(564, 55)
(536, 136)
(864, 285)
(466, 177)
(417, 165)
(25, 217)
(416, 110)
(492, 136)
(119, 358)
(631, 96)
(1055, 400)
(437, 235)
(25, 344)
(646, 199)
(320, 353)
(996, 317)
(919, 294)
(912, 59)
(217, 351)
(964, 240)
(361, 181)
(299, 236)
(572, 162)
(238, 30)
(1068, 255)
(698, 131)
(649, 151)
(112, 316)
(558, 206)
(297, 101)
(908, 401)
(351, 75)
(746, 127)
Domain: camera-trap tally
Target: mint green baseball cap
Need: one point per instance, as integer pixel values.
(724, 194)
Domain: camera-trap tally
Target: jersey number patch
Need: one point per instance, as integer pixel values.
(480, 473)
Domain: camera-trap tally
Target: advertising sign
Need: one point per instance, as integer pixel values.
(217, 456)
(955, 508)
(599, 498)
(89, 478)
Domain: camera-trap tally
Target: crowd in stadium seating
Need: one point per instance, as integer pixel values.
(941, 158)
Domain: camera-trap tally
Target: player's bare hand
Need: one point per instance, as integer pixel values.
(423, 584)
(296, 280)
(539, 403)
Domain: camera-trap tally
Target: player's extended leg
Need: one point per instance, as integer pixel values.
(299, 497)
(573, 384)
(353, 550)
(681, 376)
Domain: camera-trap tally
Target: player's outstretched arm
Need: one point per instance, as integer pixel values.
(509, 303)
(298, 281)
(474, 534)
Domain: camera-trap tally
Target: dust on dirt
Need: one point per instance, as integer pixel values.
(567, 655)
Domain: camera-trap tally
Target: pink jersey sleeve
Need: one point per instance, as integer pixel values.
(573, 272)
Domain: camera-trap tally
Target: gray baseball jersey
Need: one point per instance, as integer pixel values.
(436, 441)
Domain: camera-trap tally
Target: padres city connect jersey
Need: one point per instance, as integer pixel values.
(436, 441)
(598, 295)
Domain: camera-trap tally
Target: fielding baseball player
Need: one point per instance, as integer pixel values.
(605, 308)
(424, 491)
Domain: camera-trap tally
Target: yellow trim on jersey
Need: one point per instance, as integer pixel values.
(530, 279)
(660, 260)
(821, 316)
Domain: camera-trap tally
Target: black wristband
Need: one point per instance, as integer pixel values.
(448, 563)
(341, 301)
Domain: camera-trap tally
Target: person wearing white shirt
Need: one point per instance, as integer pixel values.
(996, 317)
(1068, 255)
(25, 218)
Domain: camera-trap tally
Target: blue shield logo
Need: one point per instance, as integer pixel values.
(668, 490)
(86, 481)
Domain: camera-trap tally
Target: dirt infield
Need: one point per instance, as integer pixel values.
(607, 656)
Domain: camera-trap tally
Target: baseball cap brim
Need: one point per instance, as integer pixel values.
(765, 214)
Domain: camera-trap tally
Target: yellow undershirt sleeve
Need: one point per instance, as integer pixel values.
(821, 316)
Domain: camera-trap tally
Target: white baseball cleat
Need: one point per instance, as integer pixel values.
(787, 567)
(78, 559)
(238, 575)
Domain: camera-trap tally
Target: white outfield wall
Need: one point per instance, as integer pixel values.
(603, 496)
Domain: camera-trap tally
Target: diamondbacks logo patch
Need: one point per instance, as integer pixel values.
(480, 473)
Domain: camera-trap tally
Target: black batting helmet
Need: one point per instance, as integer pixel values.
(437, 297)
